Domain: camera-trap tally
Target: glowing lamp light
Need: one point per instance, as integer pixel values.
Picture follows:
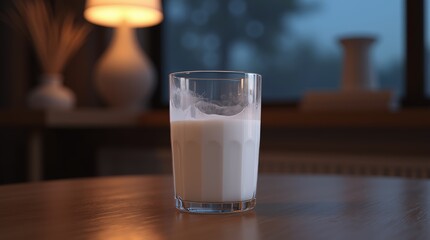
(112, 13)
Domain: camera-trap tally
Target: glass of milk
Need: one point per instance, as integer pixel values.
(215, 137)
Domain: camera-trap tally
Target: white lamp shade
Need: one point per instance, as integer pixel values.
(134, 13)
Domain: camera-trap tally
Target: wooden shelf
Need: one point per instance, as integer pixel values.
(70, 119)
(278, 117)
(272, 117)
(288, 118)
(414, 118)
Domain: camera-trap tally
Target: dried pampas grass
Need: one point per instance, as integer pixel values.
(55, 38)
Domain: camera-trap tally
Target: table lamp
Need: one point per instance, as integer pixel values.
(124, 76)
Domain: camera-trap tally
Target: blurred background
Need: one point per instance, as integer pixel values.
(294, 44)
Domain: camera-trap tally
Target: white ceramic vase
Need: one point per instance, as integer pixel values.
(51, 94)
(124, 76)
(358, 73)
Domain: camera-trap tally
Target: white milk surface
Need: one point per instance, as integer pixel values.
(215, 160)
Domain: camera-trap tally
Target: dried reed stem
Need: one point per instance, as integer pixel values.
(55, 38)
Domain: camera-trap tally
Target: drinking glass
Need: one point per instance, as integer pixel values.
(215, 137)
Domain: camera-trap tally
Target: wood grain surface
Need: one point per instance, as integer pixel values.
(288, 207)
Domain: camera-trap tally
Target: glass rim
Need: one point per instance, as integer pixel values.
(176, 74)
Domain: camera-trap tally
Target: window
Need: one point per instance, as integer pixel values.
(293, 44)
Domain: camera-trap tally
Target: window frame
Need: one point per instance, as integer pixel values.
(415, 70)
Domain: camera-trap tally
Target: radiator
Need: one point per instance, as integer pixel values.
(365, 165)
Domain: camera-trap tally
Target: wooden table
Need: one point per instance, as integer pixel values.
(288, 207)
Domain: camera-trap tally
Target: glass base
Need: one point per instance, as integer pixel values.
(214, 208)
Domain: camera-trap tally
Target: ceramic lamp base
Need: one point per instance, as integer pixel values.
(124, 76)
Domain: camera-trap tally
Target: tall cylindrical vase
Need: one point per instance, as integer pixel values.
(358, 73)
(51, 94)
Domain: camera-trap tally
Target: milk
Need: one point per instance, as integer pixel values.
(215, 160)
